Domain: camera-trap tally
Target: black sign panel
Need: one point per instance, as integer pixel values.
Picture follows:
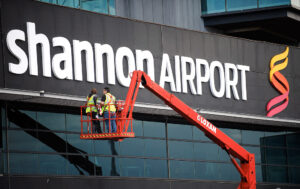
(55, 21)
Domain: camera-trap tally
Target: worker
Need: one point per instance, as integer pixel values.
(92, 110)
(109, 109)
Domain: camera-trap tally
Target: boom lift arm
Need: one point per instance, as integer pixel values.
(234, 150)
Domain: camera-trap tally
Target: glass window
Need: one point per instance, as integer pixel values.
(274, 139)
(293, 157)
(275, 156)
(31, 115)
(252, 137)
(205, 170)
(177, 131)
(3, 162)
(180, 150)
(275, 174)
(82, 165)
(205, 151)
(234, 134)
(227, 171)
(156, 168)
(212, 6)
(182, 169)
(69, 3)
(51, 142)
(95, 6)
(132, 147)
(107, 147)
(154, 129)
(112, 7)
(258, 172)
(51, 164)
(52, 121)
(23, 163)
(294, 173)
(137, 126)
(199, 135)
(73, 123)
(270, 3)
(22, 140)
(109, 165)
(77, 145)
(233, 5)
(223, 156)
(132, 167)
(293, 140)
(2, 114)
(155, 148)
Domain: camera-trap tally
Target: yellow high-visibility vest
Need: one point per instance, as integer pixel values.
(109, 104)
(91, 105)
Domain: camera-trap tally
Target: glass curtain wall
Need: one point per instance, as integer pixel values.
(101, 6)
(219, 6)
(47, 143)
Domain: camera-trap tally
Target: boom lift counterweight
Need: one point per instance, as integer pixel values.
(234, 150)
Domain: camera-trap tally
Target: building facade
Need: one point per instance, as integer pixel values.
(53, 52)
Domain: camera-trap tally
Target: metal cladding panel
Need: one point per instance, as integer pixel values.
(73, 24)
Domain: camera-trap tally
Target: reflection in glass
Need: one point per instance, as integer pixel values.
(293, 140)
(132, 167)
(274, 139)
(233, 5)
(86, 146)
(275, 174)
(2, 115)
(69, 3)
(50, 164)
(205, 170)
(53, 121)
(155, 148)
(270, 3)
(275, 156)
(23, 163)
(293, 157)
(107, 147)
(180, 150)
(182, 169)
(234, 134)
(252, 137)
(199, 135)
(58, 145)
(95, 6)
(110, 165)
(112, 7)
(177, 131)
(22, 140)
(84, 169)
(212, 6)
(256, 151)
(205, 151)
(30, 114)
(132, 147)
(73, 123)
(258, 172)
(156, 168)
(3, 162)
(294, 173)
(137, 126)
(154, 129)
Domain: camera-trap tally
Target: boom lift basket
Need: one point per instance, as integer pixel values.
(124, 125)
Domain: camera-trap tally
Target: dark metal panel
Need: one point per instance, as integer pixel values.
(157, 11)
(148, 10)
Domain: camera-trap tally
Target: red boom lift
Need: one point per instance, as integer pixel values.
(124, 126)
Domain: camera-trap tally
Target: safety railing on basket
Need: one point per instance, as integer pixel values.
(102, 123)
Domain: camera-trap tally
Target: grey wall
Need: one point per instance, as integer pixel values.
(179, 13)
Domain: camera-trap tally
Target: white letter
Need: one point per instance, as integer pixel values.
(200, 78)
(145, 55)
(243, 80)
(80, 46)
(64, 57)
(100, 50)
(233, 82)
(177, 74)
(33, 40)
(127, 53)
(188, 77)
(213, 89)
(166, 74)
(11, 39)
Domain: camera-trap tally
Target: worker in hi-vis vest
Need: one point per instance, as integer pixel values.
(108, 109)
(92, 109)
